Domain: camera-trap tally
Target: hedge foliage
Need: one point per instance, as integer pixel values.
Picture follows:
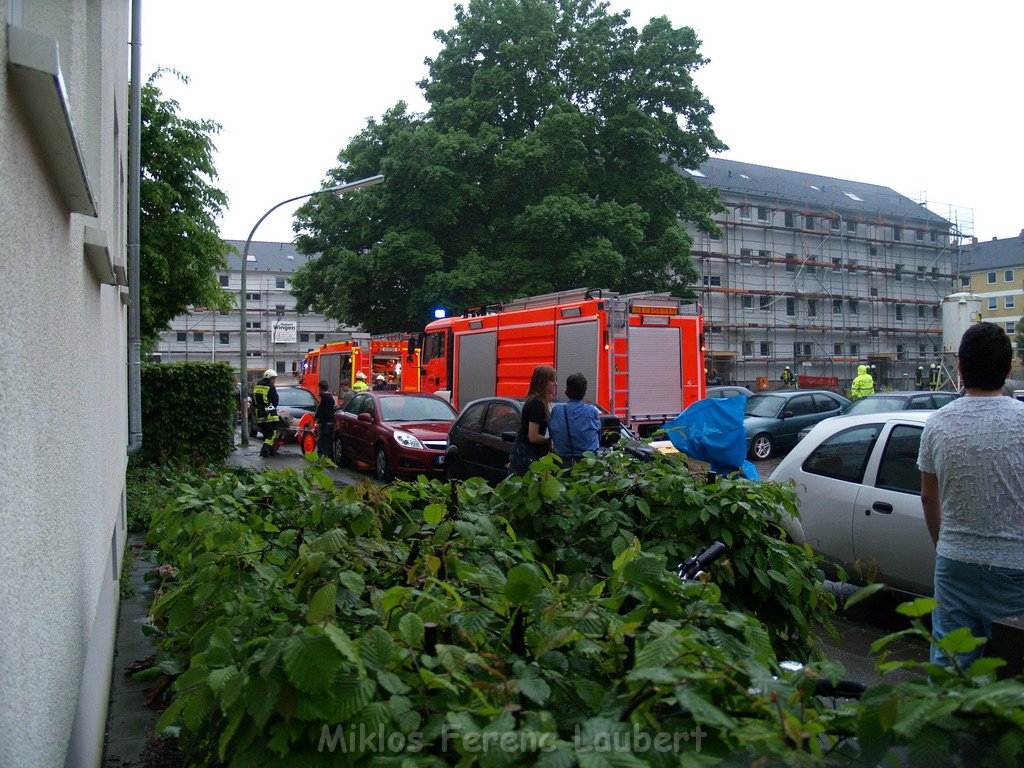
(187, 411)
(424, 624)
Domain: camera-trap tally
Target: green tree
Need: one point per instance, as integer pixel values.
(549, 158)
(1018, 340)
(180, 245)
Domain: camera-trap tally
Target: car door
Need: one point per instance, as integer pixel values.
(829, 482)
(502, 416)
(360, 432)
(464, 438)
(888, 522)
(800, 410)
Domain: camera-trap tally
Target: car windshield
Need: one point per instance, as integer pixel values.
(296, 396)
(875, 405)
(415, 409)
(767, 406)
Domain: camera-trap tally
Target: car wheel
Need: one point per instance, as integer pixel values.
(380, 464)
(453, 468)
(339, 453)
(762, 447)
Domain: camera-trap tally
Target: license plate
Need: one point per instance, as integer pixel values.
(439, 460)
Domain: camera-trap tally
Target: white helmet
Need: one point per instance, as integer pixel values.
(270, 373)
(380, 377)
(361, 376)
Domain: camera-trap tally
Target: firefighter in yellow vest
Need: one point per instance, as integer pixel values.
(264, 403)
(863, 384)
(360, 385)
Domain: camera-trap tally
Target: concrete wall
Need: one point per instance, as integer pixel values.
(64, 398)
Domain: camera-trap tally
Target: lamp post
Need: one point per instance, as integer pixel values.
(243, 367)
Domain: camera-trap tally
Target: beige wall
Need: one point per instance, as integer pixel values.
(64, 397)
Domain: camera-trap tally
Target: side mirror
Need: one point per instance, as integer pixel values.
(509, 437)
(365, 417)
(786, 414)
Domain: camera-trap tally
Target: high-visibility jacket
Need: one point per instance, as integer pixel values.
(264, 402)
(360, 386)
(863, 384)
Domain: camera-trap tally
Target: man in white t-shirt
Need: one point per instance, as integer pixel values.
(972, 492)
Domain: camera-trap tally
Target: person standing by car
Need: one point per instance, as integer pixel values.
(862, 384)
(532, 441)
(972, 494)
(324, 416)
(264, 403)
(360, 385)
(575, 426)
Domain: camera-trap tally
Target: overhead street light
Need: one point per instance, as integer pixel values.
(243, 365)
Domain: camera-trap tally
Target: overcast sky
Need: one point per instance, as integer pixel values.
(922, 97)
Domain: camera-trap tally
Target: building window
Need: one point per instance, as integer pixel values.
(837, 306)
(837, 263)
(920, 310)
(809, 222)
(197, 336)
(304, 337)
(279, 282)
(898, 273)
(1007, 275)
(899, 311)
(921, 273)
(762, 213)
(935, 349)
(748, 349)
(935, 310)
(993, 303)
(991, 277)
(901, 352)
(748, 302)
(252, 296)
(764, 256)
(932, 236)
(853, 308)
(1011, 328)
(712, 280)
(790, 219)
(802, 349)
(224, 280)
(965, 281)
(851, 265)
(935, 273)
(225, 337)
(790, 307)
(812, 307)
(766, 349)
(1008, 302)
(873, 291)
(744, 211)
(253, 325)
(766, 303)
(182, 336)
(791, 262)
(254, 353)
(851, 226)
(897, 233)
(319, 337)
(854, 349)
(810, 268)
(834, 223)
(837, 349)
(279, 310)
(872, 251)
(746, 256)
(919, 235)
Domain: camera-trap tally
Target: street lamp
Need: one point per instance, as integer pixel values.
(243, 367)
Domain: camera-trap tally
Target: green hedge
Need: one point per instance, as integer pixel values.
(187, 411)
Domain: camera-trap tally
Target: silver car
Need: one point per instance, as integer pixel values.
(859, 492)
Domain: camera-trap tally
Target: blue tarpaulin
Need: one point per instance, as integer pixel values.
(712, 431)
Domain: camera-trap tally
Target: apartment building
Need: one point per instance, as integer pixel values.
(63, 213)
(994, 270)
(277, 336)
(820, 274)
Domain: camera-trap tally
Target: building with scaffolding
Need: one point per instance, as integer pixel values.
(277, 336)
(821, 275)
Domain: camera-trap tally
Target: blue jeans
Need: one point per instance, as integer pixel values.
(973, 596)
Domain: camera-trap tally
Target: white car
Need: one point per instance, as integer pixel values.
(859, 493)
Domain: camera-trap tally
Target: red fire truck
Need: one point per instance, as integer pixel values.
(391, 356)
(642, 353)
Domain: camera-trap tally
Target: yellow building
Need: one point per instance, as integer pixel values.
(994, 270)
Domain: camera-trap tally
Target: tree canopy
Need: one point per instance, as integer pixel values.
(549, 158)
(180, 246)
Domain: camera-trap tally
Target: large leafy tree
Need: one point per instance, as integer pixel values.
(549, 158)
(179, 242)
(1018, 340)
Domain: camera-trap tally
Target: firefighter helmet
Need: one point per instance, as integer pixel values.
(361, 376)
(270, 373)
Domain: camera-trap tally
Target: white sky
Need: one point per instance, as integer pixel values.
(922, 97)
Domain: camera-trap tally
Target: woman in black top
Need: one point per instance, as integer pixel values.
(532, 441)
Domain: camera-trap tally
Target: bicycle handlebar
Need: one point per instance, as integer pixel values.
(691, 567)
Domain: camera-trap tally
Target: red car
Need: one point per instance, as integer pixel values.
(399, 433)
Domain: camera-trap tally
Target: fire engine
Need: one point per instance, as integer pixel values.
(393, 356)
(642, 353)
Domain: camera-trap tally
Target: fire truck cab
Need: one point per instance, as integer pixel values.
(642, 353)
(394, 356)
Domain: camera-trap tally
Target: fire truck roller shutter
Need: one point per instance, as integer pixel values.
(330, 369)
(478, 365)
(655, 371)
(577, 353)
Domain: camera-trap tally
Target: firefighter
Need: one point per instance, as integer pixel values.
(360, 385)
(919, 377)
(788, 380)
(264, 403)
(380, 383)
(863, 384)
(934, 374)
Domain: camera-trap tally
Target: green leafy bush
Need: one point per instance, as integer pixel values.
(187, 411)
